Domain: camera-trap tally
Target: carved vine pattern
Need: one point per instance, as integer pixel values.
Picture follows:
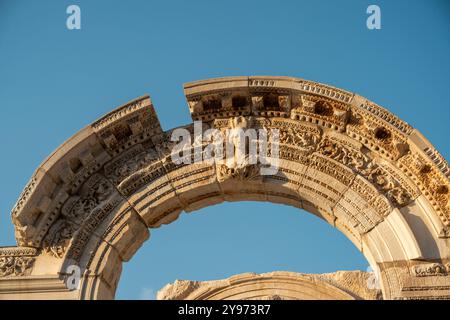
(366, 167)
(15, 266)
(74, 212)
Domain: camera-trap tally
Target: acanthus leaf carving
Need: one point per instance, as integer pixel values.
(246, 172)
(15, 266)
(94, 193)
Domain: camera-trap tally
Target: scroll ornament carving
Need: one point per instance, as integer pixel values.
(15, 266)
(132, 161)
(431, 269)
(366, 167)
(298, 138)
(73, 213)
(355, 160)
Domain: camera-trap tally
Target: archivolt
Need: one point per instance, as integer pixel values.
(342, 158)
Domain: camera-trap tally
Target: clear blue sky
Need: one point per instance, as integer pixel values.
(54, 81)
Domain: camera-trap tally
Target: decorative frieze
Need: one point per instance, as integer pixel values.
(94, 194)
(431, 269)
(16, 261)
(432, 183)
(338, 152)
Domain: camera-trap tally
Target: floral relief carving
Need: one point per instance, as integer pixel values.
(366, 167)
(303, 139)
(130, 162)
(392, 189)
(15, 266)
(95, 192)
(350, 158)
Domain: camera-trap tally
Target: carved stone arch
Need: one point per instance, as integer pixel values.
(341, 157)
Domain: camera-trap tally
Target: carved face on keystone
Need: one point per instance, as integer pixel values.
(103, 191)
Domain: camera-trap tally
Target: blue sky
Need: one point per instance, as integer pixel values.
(54, 81)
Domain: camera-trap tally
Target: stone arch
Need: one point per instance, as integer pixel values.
(342, 158)
(279, 285)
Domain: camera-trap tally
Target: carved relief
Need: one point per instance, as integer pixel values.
(15, 266)
(129, 162)
(431, 269)
(302, 139)
(366, 167)
(391, 188)
(326, 166)
(376, 135)
(294, 155)
(433, 183)
(16, 261)
(367, 192)
(141, 177)
(95, 192)
(241, 173)
(354, 159)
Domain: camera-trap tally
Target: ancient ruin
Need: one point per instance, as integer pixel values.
(91, 203)
(279, 285)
